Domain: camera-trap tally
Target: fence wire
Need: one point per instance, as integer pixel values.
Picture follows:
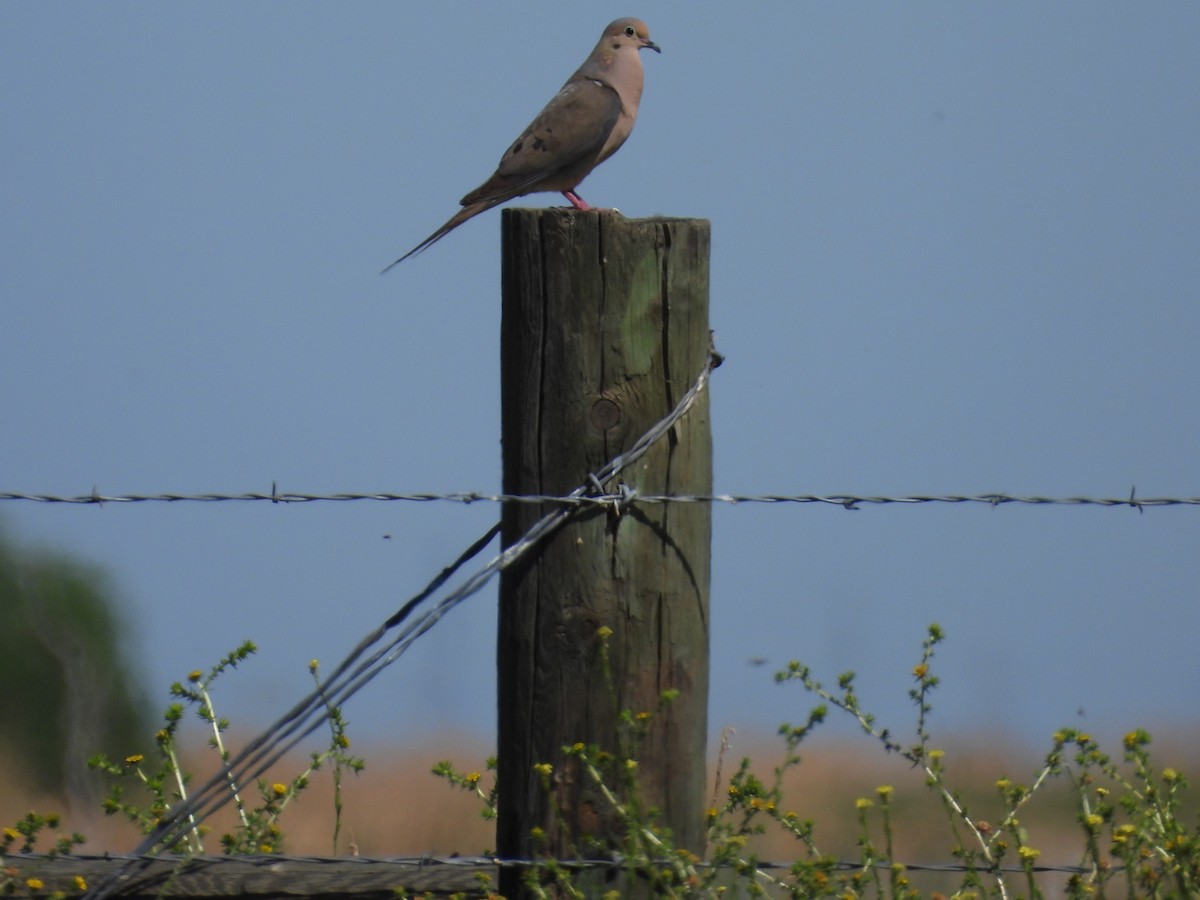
(625, 497)
(355, 671)
(843, 865)
(484, 862)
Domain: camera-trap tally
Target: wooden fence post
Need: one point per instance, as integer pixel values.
(605, 325)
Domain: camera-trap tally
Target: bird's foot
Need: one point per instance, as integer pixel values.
(576, 201)
(580, 204)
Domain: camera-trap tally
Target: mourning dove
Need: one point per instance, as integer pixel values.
(583, 125)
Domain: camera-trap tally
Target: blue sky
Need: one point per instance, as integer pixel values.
(954, 251)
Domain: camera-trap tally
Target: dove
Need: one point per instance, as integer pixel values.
(583, 125)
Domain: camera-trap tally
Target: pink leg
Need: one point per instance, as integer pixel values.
(576, 201)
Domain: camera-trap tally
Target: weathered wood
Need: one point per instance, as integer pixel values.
(605, 325)
(256, 876)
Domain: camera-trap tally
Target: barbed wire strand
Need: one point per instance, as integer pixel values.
(847, 501)
(348, 678)
(479, 862)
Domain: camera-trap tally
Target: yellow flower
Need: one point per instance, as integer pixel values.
(863, 803)
(12, 834)
(884, 790)
(265, 848)
(920, 670)
(604, 632)
(1028, 853)
(279, 789)
(343, 741)
(631, 764)
(195, 675)
(80, 883)
(543, 769)
(134, 759)
(1136, 739)
(472, 778)
(34, 884)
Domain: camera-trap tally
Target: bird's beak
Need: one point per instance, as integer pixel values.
(646, 42)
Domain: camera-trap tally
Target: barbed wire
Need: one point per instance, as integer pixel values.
(844, 865)
(625, 497)
(486, 862)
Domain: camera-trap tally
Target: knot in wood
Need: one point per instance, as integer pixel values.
(605, 414)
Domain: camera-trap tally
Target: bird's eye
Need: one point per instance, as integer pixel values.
(630, 31)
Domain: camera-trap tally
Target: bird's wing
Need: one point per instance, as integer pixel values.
(560, 145)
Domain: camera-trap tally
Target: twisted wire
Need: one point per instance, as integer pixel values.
(846, 501)
(351, 675)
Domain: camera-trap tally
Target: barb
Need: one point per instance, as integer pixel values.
(846, 501)
(351, 675)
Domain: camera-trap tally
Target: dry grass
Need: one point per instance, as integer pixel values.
(396, 807)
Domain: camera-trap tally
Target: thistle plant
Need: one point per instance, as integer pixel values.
(1134, 839)
(164, 782)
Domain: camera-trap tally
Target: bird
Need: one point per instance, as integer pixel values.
(584, 124)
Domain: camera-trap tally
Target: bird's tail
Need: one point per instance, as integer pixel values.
(457, 219)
